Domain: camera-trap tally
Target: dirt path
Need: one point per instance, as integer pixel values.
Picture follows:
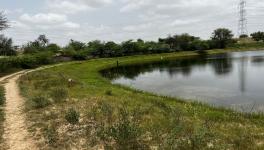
(15, 132)
(16, 135)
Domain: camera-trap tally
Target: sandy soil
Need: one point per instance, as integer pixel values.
(16, 135)
(15, 132)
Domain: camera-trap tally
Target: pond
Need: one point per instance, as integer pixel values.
(233, 80)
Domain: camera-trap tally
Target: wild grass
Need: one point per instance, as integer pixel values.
(40, 101)
(72, 116)
(129, 119)
(59, 95)
(2, 115)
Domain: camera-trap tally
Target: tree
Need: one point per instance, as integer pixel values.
(53, 47)
(222, 37)
(76, 45)
(96, 48)
(112, 49)
(258, 36)
(3, 22)
(180, 42)
(199, 45)
(43, 41)
(128, 47)
(32, 47)
(6, 46)
(243, 36)
(39, 45)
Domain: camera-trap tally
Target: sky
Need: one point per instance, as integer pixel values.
(120, 20)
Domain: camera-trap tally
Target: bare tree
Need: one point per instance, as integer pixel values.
(3, 21)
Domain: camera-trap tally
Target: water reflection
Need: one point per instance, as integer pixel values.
(231, 80)
(222, 65)
(242, 74)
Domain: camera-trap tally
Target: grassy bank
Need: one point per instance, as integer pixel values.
(73, 106)
(2, 101)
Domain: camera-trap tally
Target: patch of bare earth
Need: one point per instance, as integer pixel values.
(15, 131)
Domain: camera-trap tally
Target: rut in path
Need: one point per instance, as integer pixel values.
(15, 131)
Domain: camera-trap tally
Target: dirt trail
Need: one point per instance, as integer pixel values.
(15, 131)
(16, 135)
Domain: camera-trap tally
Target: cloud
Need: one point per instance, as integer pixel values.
(67, 7)
(73, 7)
(120, 20)
(131, 5)
(180, 22)
(18, 24)
(96, 3)
(134, 28)
(46, 21)
(41, 18)
(152, 16)
(71, 25)
(14, 11)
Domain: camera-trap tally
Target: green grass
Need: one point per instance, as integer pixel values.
(118, 117)
(2, 118)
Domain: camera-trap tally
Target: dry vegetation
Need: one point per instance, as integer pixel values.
(2, 118)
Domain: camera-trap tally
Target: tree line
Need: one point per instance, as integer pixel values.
(221, 38)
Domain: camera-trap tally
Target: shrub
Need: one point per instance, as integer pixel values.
(102, 112)
(258, 36)
(40, 101)
(80, 55)
(59, 95)
(51, 135)
(188, 136)
(243, 36)
(72, 116)
(125, 132)
(2, 95)
(108, 92)
(242, 138)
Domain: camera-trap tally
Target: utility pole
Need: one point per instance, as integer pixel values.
(242, 24)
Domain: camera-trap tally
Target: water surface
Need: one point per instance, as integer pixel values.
(234, 80)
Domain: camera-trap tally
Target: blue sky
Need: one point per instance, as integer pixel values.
(119, 20)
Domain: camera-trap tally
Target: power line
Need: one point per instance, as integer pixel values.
(242, 23)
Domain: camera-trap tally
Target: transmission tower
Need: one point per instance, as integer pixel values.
(242, 25)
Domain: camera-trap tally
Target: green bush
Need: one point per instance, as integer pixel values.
(59, 94)
(82, 55)
(125, 132)
(188, 136)
(102, 112)
(72, 116)
(25, 61)
(109, 92)
(40, 101)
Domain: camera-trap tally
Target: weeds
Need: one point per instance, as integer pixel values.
(59, 95)
(40, 101)
(242, 139)
(2, 116)
(124, 131)
(72, 116)
(51, 135)
(109, 92)
(2, 95)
